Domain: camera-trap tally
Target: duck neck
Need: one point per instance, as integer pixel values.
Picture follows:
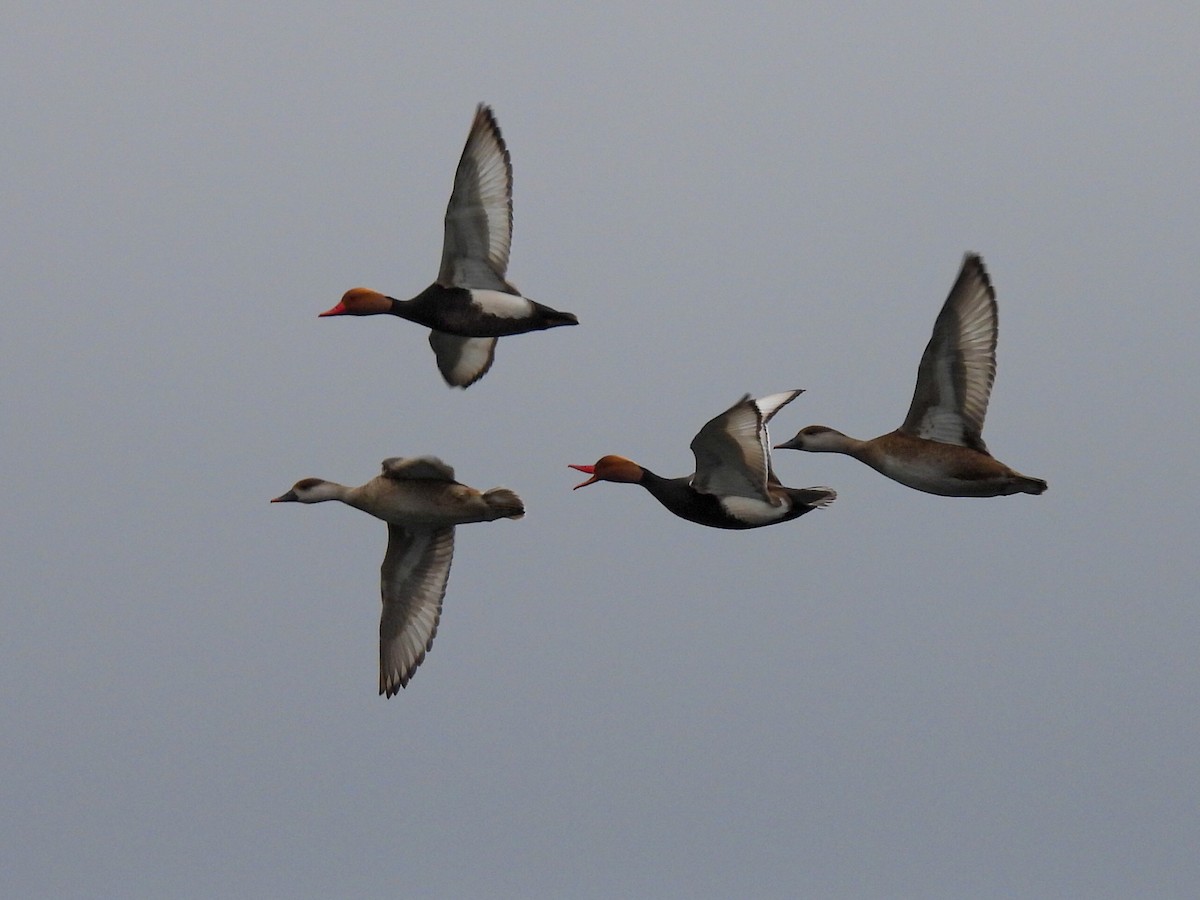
(361, 497)
(860, 450)
(326, 491)
(401, 308)
(419, 309)
(840, 443)
(670, 492)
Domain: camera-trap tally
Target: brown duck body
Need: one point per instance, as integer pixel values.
(948, 470)
(421, 503)
(940, 449)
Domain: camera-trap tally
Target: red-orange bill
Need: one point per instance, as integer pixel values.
(587, 470)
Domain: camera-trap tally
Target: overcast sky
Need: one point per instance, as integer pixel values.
(899, 696)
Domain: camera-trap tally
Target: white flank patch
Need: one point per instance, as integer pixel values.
(752, 511)
(500, 304)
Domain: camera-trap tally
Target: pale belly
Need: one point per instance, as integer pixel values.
(943, 478)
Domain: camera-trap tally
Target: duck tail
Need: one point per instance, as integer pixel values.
(1032, 485)
(503, 503)
(819, 497)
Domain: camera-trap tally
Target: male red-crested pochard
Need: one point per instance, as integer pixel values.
(421, 503)
(734, 485)
(939, 448)
(471, 303)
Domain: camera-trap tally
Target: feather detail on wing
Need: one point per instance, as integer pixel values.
(479, 216)
(415, 570)
(417, 468)
(955, 377)
(733, 456)
(462, 360)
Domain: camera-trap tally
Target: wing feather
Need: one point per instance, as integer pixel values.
(462, 360)
(417, 468)
(415, 570)
(732, 450)
(478, 231)
(954, 380)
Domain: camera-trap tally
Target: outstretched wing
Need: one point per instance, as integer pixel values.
(479, 215)
(955, 378)
(733, 456)
(462, 360)
(415, 570)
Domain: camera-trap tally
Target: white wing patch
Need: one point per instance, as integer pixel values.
(462, 360)
(773, 403)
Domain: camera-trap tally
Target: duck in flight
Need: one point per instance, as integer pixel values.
(421, 503)
(471, 303)
(939, 449)
(734, 485)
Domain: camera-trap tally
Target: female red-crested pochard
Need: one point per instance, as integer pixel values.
(939, 448)
(421, 503)
(734, 485)
(471, 303)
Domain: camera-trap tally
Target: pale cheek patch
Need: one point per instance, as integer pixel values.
(500, 304)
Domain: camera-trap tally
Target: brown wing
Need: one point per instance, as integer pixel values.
(955, 377)
(415, 570)
(417, 468)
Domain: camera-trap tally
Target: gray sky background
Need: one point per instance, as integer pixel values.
(899, 696)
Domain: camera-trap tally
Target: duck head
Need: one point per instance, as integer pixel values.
(816, 439)
(610, 468)
(360, 302)
(310, 490)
